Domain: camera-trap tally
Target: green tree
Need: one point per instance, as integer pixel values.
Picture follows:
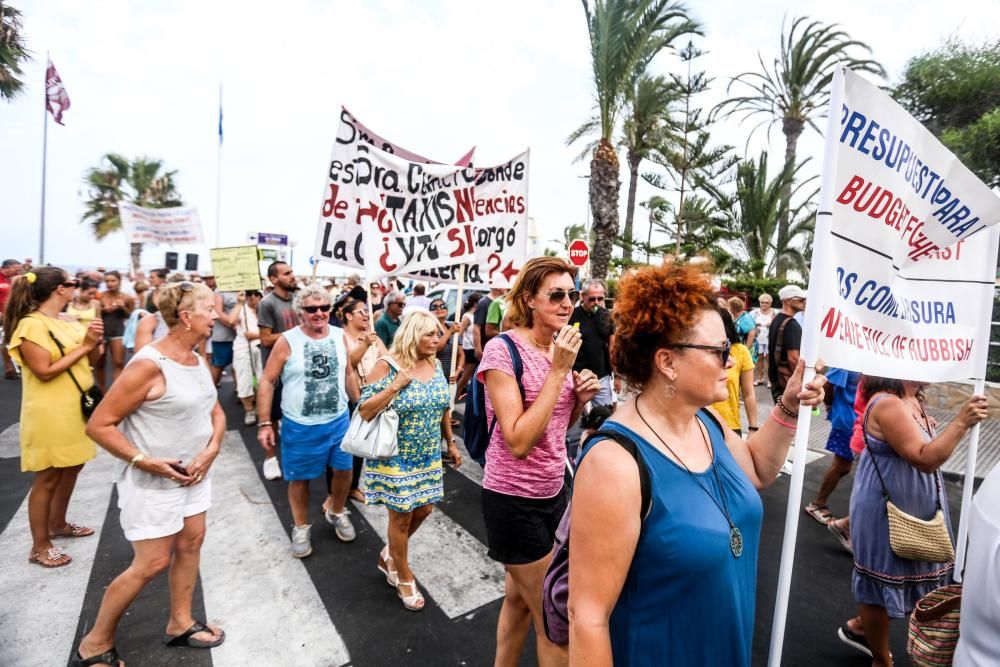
(13, 52)
(119, 179)
(625, 35)
(955, 92)
(752, 214)
(795, 90)
(573, 232)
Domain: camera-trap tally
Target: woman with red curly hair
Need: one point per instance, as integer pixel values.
(675, 586)
(523, 494)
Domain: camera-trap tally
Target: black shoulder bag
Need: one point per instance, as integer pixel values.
(88, 399)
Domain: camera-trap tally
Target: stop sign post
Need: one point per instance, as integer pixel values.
(579, 252)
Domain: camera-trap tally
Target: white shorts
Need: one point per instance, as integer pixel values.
(147, 514)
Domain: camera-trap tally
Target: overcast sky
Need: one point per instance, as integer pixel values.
(434, 77)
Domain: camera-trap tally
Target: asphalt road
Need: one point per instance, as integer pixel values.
(334, 607)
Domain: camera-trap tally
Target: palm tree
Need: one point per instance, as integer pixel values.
(12, 52)
(573, 232)
(753, 212)
(795, 90)
(118, 179)
(625, 35)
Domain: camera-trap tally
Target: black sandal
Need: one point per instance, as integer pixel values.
(109, 657)
(187, 640)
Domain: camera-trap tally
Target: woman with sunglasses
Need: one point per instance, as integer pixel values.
(439, 309)
(523, 496)
(739, 383)
(164, 480)
(52, 351)
(697, 542)
(364, 348)
(317, 382)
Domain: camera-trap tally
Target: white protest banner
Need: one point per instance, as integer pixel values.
(179, 225)
(338, 234)
(501, 231)
(908, 261)
(414, 216)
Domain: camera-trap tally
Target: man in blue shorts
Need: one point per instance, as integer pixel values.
(317, 381)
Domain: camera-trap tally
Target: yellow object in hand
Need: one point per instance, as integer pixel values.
(576, 325)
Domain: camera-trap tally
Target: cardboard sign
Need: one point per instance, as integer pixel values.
(906, 245)
(236, 269)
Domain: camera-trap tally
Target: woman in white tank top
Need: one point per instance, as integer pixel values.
(171, 427)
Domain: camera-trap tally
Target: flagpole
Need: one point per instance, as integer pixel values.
(218, 179)
(45, 151)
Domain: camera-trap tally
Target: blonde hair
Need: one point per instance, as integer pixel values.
(529, 281)
(180, 296)
(414, 327)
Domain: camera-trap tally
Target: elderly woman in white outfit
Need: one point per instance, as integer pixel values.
(171, 427)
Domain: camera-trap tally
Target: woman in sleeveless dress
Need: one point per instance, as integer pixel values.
(901, 445)
(411, 482)
(162, 419)
(84, 306)
(678, 585)
(116, 306)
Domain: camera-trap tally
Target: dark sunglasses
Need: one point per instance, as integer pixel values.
(312, 310)
(594, 299)
(559, 295)
(721, 350)
(72, 282)
(439, 306)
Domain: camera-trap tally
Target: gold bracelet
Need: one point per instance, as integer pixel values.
(136, 459)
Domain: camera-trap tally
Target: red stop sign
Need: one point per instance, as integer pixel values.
(579, 252)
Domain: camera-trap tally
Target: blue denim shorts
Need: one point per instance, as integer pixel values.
(308, 450)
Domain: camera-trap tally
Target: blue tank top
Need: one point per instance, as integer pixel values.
(687, 601)
(312, 380)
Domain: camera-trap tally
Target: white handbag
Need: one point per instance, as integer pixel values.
(375, 439)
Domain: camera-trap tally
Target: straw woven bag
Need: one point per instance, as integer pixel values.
(916, 539)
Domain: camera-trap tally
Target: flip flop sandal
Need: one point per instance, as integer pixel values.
(187, 640)
(391, 576)
(821, 513)
(413, 602)
(842, 537)
(51, 558)
(73, 530)
(109, 657)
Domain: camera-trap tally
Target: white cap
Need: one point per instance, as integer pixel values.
(791, 292)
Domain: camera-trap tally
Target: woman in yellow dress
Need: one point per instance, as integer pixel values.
(53, 443)
(739, 382)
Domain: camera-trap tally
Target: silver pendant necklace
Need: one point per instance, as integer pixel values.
(735, 536)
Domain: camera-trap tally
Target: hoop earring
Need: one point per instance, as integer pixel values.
(669, 391)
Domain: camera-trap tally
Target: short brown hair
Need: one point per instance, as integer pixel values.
(529, 281)
(656, 307)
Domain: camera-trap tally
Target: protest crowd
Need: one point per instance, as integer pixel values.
(665, 502)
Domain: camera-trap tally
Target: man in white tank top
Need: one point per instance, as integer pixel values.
(317, 380)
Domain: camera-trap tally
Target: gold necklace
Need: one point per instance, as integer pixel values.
(537, 344)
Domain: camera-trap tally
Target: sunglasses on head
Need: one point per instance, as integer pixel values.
(722, 351)
(438, 306)
(559, 295)
(312, 310)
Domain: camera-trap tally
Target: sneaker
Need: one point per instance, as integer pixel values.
(249, 418)
(854, 640)
(342, 525)
(301, 546)
(272, 469)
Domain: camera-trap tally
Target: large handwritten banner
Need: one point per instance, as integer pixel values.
(414, 216)
(236, 269)
(501, 232)
(906, 254)
(179, 225)
(338, 235)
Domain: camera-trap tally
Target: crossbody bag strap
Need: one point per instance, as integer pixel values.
(871, 454)
(62, 352)
(629, 445)
(779, 344)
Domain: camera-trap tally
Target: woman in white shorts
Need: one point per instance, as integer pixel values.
(171, 429)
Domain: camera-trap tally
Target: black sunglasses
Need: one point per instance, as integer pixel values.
(439, 306)
(594, 299)
(72, 282)
(559, 295)
(325, 308)
(721, 350)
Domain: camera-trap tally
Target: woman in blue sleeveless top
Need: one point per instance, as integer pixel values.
(675, 587)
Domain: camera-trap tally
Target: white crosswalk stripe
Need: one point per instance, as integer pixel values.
(39, 607)
(10, 442)
(251, 583)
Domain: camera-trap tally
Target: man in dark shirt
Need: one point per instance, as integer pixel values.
(275, 315)
(596, 330)
(785, 339)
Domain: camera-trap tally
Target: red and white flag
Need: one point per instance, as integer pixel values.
(56, 99)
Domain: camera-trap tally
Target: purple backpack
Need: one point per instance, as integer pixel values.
(555, 586)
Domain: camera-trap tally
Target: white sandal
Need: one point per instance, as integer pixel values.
(413, 602)
(391, 576)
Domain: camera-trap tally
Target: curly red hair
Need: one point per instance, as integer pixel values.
(655, 307)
